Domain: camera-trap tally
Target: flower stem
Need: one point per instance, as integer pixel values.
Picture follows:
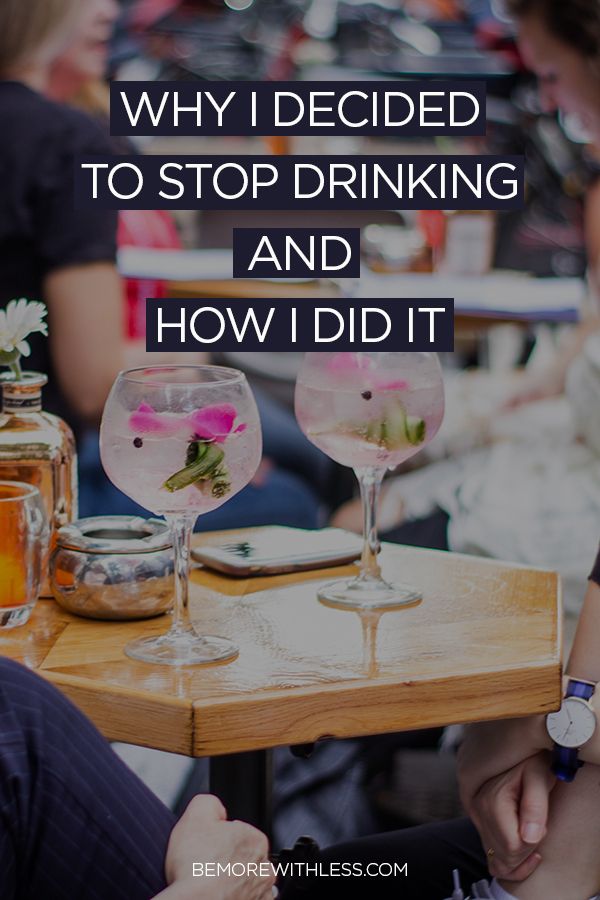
(204, 462)
(15, 368)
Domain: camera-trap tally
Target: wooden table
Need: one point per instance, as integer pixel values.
(484, 643)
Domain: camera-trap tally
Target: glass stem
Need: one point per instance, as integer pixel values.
(370, 623)
(181, 532)
(370, 483)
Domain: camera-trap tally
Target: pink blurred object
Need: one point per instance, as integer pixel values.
(432, 224)
(349, 363)
(146, 420)
(398, 385)
(146, 12)
(345, 363)
(215, 423)
(212, 423)
(154, 229)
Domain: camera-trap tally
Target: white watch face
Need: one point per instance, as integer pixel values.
(574, 723)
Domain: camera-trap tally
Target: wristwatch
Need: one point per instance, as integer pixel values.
(571, 727)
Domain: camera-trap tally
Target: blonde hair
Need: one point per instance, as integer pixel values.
(93, 98)
(32, 27)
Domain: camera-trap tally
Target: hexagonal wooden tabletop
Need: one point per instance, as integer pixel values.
(484, 643)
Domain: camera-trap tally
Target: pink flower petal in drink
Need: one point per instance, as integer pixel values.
(145, 420)
(399, 384)
(214, 423)
(347, 363)
(357, 363)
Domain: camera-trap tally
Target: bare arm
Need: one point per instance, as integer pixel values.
(86, 340)
(550, 381)
(492, 762)
(584, 661)
(574, 344)
(592, 234)
(86, 337)
(491, 748)
(570, 866)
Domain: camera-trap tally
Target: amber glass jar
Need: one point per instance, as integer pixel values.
(38, 448)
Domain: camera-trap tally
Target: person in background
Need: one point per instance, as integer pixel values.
(50, 250)
(77, 78)
(566, 60)
(285, 489)
(538, 835)
(567, 66)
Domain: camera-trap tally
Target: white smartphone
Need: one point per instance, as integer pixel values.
(275, 550)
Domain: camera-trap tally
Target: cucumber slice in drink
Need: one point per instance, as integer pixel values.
(415, 430)
(401, 430)
(398, 430)
(394, 429)
(375, 432)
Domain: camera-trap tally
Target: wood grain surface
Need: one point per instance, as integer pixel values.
(484, 643)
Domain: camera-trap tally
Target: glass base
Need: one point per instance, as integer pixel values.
(13, 616)
(182, 648)
(367, 594)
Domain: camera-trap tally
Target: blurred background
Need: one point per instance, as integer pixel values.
(499, 479)
(515, 471)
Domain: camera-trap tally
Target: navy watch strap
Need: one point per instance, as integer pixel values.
(565, 760)
(583, 689)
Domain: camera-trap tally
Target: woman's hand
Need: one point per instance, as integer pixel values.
(390, 515)
(490, 749)
(533, 387)
(511, 814)
(203, 835)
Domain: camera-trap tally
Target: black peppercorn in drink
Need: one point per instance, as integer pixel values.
(370, 409)
(179, 451)
(180, 441)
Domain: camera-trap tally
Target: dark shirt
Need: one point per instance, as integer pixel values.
(75, 822)
(40, 229)
(595, 576)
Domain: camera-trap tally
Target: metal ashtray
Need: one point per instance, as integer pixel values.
(113, 567)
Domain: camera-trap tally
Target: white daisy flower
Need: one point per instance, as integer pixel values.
(20, 319)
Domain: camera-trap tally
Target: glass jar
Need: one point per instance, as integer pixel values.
(23, 546)
(38, 448)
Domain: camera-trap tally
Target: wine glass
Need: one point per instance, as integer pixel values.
(180, 441)
(369, 411)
